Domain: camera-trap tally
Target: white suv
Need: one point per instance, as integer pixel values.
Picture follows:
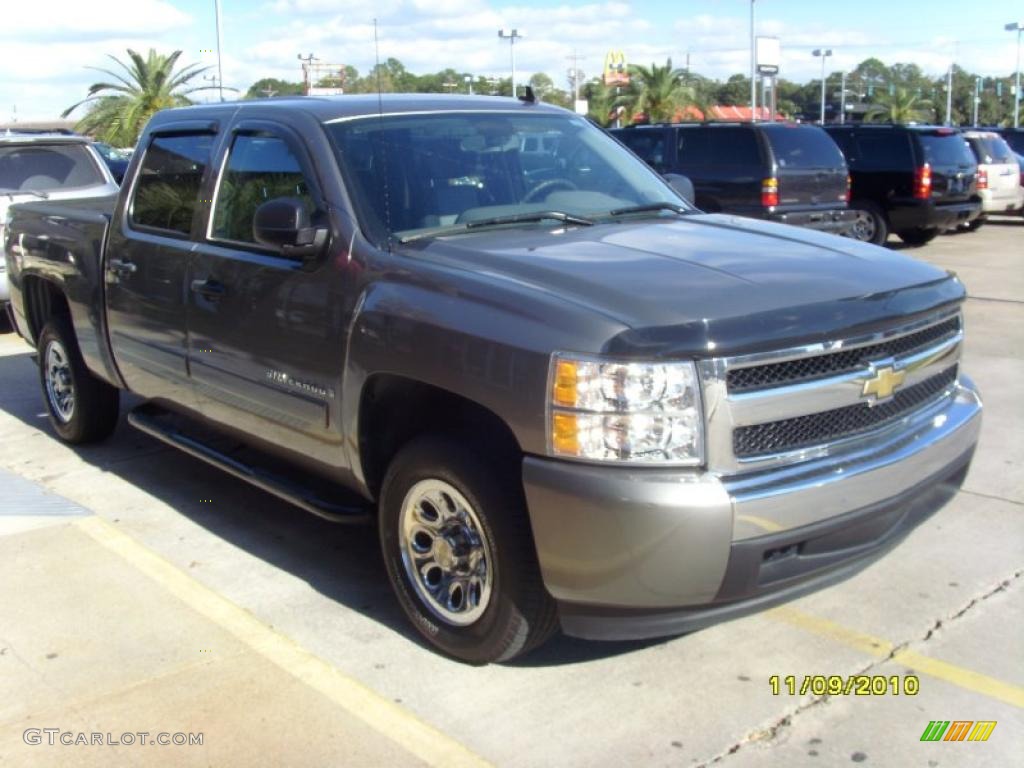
(998, 174)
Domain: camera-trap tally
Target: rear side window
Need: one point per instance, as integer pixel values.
(733, 147)
(946, 149)
(649, 145)
(883, 152)
(991, 151)
(167, 188)
(693, 146)
(803, 147)
(260, 167)
(36, 168)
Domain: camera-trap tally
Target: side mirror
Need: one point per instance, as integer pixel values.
(284, 223)
(682, 185)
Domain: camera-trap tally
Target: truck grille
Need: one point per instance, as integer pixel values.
(821, 366)
(817, 428)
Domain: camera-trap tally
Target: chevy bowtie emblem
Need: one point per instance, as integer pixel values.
(883, 383)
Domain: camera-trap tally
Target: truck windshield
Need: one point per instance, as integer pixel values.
(411, 174)
(30, 168)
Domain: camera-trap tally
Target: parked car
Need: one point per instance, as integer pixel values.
(998, 175)
(914, 180)
(116, 161)
(784, 172)
(47, 166)
(1014, 137)
(563, 395)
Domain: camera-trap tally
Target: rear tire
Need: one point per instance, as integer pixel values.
(870, 224)
(917, 235)
(459, 554)
(81, 407)
(975, 225)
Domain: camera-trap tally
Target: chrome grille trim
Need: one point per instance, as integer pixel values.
(726, 411)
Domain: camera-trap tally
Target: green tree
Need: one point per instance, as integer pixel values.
(659, 92)
(276, 87)
(901, 106)
(120, 110)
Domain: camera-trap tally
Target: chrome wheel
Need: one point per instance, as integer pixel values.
(445, 552)
(864, 226)
(60, 388)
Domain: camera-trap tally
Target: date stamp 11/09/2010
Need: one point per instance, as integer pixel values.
(839, 685)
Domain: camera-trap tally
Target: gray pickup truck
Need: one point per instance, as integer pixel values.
(564, 395)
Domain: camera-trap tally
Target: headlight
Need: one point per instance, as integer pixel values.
(636, 413)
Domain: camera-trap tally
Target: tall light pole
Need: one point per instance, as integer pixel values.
(220, 72)
(1016, 26)
(977, 99)
(753, 64)
(511, 37)
(307, 63)
(824, 53)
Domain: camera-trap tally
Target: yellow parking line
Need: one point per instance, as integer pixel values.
(941, 670)
(392, 721)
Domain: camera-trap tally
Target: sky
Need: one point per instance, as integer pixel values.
(44, 56)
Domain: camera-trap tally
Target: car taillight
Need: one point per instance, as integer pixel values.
(923, 182)
(770, 192)
(849, 188)
(982, 179)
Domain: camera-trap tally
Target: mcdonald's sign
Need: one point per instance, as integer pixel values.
(615, 71)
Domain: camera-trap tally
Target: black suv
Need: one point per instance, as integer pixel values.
(784, 172)
(1014, 137)
(914, 180)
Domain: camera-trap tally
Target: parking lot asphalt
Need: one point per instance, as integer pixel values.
(141, 590)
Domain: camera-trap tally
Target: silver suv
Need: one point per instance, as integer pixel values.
(998, 174)
(47, 166)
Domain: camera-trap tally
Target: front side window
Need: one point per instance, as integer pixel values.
(167, 187)
(412, 173)
(260, 167)
(28, 168)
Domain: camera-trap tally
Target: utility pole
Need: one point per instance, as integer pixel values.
(575, 76)
(220, 71)
(511, 37)
(212, 79)
(842, 100)
(753, 86)
(977, 100)
(949, 95)
(1018, 26)
(307, 62)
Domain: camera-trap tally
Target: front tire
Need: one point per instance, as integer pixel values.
(459, 554)
(81, 408)
(917, 235)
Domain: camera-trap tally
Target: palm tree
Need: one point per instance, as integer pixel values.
(120, 110)
(659, 92)
(900, 106)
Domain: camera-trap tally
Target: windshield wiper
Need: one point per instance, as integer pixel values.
(12, 192)
(649, 207)
(496, 221)
(519, 218)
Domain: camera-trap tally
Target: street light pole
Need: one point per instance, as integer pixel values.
(220, 72)
(824, 53)
(1016, 25)
(977, 99)
(753, 63)
(307, 63)
(511, 37)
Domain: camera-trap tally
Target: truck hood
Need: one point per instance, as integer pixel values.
(708, 282)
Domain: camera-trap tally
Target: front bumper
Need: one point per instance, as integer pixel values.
(632, 553)
(838, 221)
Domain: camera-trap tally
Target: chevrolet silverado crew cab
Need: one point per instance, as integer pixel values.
(565, 396)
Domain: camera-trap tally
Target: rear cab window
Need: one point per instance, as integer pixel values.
(803, 147)
(166, 190)
(35, 168)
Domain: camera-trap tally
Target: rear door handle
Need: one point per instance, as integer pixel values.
(209, 288)
(121, 267)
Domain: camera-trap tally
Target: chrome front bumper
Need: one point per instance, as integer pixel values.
(635, 552)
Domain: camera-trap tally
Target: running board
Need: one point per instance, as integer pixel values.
(160, 424)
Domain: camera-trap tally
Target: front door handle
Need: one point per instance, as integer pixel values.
(211, 289)
(120, 267)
